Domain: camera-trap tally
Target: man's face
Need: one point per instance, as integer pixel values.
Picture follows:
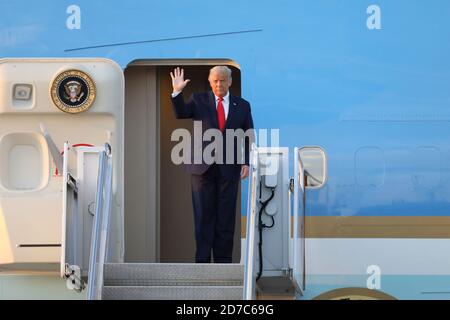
(220, 83)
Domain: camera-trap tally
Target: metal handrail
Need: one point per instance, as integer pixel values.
(100, 229)
(300, 185)
(249, 274)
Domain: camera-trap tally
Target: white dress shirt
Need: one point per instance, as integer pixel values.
(225, 102)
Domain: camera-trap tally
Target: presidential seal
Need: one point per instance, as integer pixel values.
(73, 91)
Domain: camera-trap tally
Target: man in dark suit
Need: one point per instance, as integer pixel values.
(215, 183)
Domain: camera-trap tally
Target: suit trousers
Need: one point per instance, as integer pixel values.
(214, 202)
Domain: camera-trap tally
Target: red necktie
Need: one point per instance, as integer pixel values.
(221, 115)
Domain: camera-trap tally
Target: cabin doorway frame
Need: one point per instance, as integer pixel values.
(147, 235)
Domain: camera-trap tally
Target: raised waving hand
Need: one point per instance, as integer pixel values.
(178, 82)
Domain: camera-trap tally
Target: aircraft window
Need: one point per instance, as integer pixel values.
(315, 166)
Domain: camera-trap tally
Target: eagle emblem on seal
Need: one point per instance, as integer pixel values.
(73, 91)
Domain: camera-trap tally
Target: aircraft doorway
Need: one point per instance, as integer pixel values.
(159, 225)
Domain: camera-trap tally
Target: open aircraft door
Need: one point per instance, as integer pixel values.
(45, 102)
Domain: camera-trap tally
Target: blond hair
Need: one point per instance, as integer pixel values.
(220, 69)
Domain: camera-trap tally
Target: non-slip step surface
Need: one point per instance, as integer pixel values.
(164, 274)
(172, 293)
(172, 282)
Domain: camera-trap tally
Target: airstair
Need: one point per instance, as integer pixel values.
(108, 277)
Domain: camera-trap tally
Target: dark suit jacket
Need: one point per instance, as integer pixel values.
(202, 107)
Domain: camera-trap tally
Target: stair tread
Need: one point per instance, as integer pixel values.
(177, 287)
(173, 293)
(173, 282)
(180, 272)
